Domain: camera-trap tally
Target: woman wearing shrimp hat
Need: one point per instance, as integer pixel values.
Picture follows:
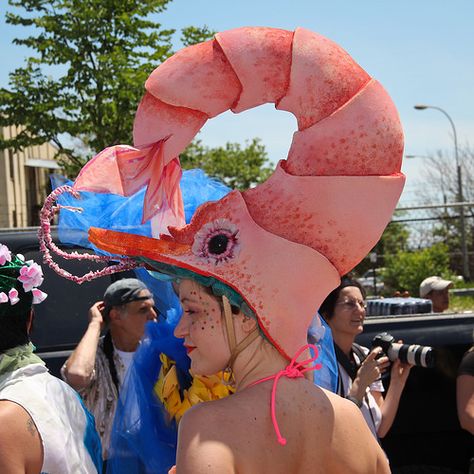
(254, 266)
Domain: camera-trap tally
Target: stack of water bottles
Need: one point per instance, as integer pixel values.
(398, 305)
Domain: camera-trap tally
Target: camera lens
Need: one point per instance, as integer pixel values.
(422, 356)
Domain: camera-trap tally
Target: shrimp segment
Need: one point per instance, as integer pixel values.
(323, 78)
(198, 77)
(325, 213)
(261, 58)
(364, 137)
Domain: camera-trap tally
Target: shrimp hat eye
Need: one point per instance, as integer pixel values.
(217, 241)
(218, 244)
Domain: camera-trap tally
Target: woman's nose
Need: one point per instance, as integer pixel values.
(180, 331)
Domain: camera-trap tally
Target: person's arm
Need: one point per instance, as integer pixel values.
(389, 405)
(465, 401)
(79, 368)
(21, 449)
(199, 451)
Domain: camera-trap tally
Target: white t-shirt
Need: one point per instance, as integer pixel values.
(370, 410)
(123, 364)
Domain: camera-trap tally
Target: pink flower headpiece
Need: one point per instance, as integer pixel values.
(12, 268)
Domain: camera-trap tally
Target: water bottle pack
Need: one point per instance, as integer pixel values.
(398, 305)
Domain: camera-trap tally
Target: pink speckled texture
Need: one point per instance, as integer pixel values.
(364, 137)
(321, 211)
(336, 216)
(198, 77)
(261, 58)
(323, 78)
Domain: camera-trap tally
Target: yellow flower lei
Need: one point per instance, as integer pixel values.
(202, 389)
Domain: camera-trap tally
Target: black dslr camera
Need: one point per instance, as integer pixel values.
(422, 356)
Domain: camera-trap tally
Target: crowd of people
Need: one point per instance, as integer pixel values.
(44, 421)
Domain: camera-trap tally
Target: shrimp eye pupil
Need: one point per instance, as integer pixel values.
(218, 244)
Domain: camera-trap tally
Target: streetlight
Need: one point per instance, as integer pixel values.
(465, 258)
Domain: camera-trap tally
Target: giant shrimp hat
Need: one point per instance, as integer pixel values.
(282, 245)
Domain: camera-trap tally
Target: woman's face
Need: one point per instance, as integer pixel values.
(349, 312)
(201, 327)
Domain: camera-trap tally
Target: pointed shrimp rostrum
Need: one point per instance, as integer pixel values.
(321, 211)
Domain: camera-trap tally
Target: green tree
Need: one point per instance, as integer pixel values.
(238, 167)
(85, 78)
(405, 270)
(440, 171)
(394, 239)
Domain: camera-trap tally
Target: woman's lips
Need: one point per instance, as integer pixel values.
(189, 349)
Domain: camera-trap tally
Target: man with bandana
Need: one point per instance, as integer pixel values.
(98, 365)
(44, 427)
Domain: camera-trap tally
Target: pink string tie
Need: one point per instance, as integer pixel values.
(294, 370)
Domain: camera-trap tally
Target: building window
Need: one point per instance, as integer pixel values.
(10, 163)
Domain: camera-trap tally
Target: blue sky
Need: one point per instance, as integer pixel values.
(421, 51)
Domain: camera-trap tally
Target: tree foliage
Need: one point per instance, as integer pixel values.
(393, 240)
(85, 79)
(405, 270)
(238, 167)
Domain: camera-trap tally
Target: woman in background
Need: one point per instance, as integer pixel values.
(360, 369)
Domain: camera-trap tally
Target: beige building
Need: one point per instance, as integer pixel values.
(24, 181)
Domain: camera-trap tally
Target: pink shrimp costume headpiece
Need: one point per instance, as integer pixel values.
(284, 244)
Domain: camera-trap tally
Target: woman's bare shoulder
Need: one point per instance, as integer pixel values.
(352, 435)
(202, 441)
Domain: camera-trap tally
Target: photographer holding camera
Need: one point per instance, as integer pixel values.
(360, 370)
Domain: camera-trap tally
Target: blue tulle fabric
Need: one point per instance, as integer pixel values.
(142, 439)
(327, 376)
(124, 214)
